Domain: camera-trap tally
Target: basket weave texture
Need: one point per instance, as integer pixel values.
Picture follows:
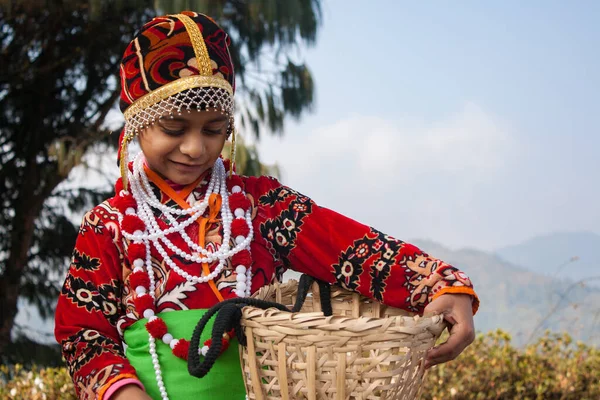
(365, 350)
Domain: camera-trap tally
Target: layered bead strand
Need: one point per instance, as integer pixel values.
(141, 228)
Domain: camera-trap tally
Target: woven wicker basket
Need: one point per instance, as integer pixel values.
(364, 351)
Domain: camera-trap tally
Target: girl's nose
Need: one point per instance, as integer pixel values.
(192, 145)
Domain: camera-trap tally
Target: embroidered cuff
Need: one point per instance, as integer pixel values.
(454, 281)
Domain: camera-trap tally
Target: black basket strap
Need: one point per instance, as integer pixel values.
(229, 317)
(324, 289)
(303, 287)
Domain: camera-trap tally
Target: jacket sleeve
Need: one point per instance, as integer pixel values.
(331, 247)
(88, 308)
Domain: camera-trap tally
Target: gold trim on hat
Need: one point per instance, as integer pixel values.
(198, 44)
(171, 88)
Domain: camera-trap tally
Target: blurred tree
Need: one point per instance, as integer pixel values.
(247, 160)
(58, 81)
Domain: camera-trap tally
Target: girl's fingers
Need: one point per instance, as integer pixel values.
(461, 335)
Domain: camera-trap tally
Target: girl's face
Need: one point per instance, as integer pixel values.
(183, 148)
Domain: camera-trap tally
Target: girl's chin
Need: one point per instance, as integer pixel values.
(184, 180)
(180, 174)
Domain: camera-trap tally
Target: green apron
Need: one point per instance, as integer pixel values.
(224, 381)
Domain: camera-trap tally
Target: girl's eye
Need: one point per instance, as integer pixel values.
(171, 131)
(212, 130)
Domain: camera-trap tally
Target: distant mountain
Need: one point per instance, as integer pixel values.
(570, 255)
(521, 301)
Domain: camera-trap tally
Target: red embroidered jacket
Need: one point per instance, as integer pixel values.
(290, 231)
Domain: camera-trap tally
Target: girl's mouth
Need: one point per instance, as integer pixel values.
(186, 167)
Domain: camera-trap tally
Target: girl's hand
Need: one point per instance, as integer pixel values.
(130, 392)
(458, 312)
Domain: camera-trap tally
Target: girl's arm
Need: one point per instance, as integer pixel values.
(337, 249)
(88, 309)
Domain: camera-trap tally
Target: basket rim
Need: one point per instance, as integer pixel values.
(274, 318)
(433, 323)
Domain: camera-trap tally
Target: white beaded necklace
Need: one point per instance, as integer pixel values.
(153, 235)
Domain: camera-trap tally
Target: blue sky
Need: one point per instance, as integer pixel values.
(474, 124)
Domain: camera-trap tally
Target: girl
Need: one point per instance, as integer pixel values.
(184, 232)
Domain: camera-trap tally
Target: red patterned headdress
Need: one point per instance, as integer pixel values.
(175, 63)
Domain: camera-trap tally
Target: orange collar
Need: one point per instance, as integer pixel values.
(178, 197)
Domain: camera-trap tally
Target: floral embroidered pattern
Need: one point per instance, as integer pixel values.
(91, 221)
(88, 385)
(273, 197)
(375, 252)
(83, 261)
(83, 347)
(86, 295)
(281, 232)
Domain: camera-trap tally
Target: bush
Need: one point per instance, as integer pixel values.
(17, 383)
(552, 368)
